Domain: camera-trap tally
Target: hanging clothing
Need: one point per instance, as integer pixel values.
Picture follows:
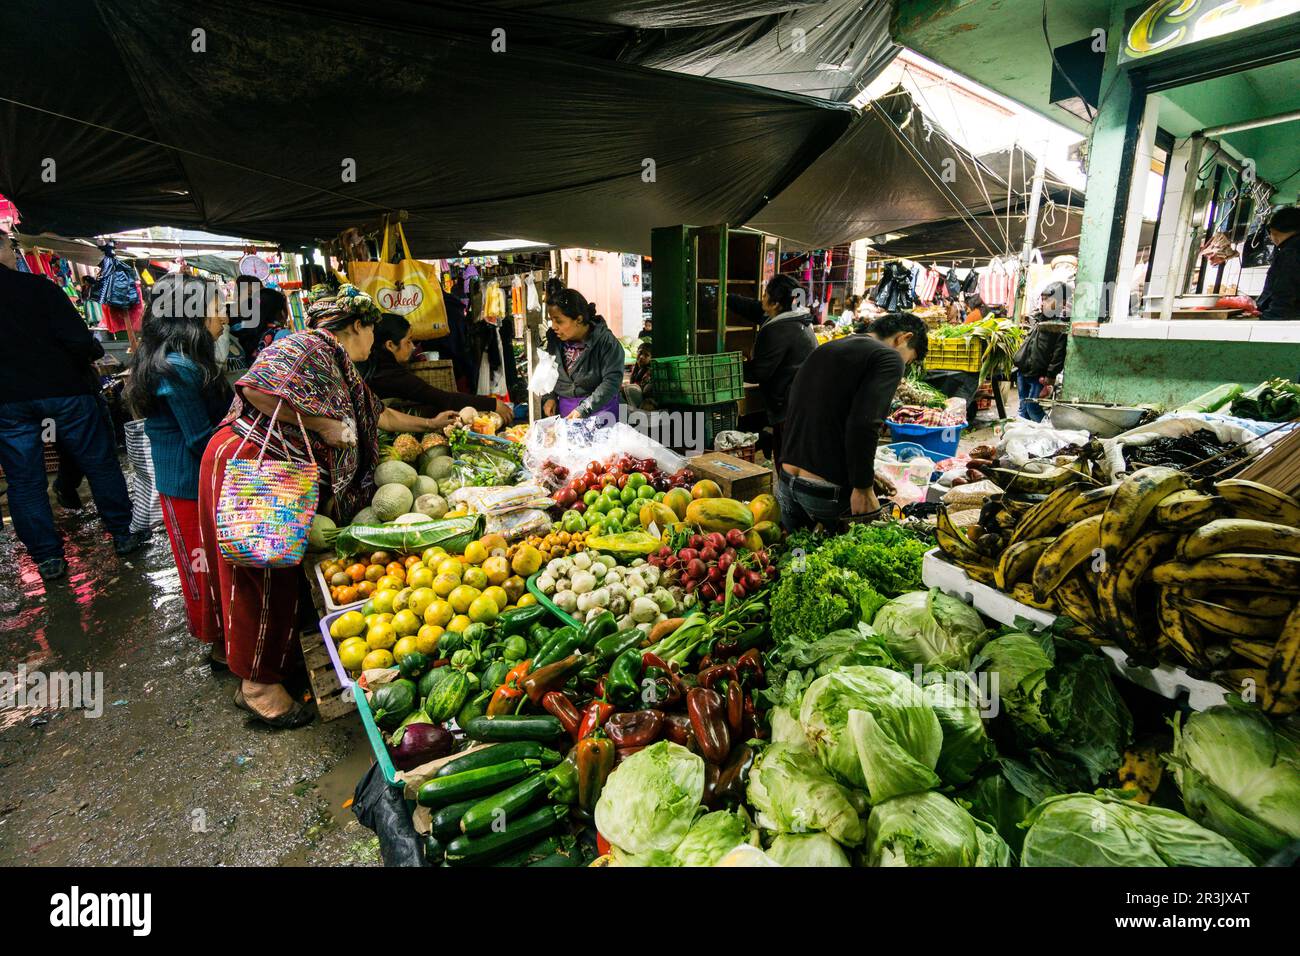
(181, 517)
(118, 285)
(894, 291)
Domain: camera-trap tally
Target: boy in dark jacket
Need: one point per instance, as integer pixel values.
(1041, 357)
(783, 341)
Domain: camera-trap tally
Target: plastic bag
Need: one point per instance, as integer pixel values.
(560, 443)
(381, 808)
(544, 376)
(518, 524)
(500, 500)
(1023, 440)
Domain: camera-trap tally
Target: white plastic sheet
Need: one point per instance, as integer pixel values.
(572, 443)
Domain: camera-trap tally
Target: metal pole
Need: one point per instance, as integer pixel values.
(1182, 229)
(1031, 229)
(1252, 124)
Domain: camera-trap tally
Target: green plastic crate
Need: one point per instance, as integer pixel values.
(698, 379)
(547, 603)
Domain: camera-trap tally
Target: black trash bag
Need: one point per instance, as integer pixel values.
(382, 808)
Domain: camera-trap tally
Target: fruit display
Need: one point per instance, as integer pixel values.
(1169, 567)
(616, 470)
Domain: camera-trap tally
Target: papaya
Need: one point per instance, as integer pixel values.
(678, 499)
(706, 489)
(719, 514)
(753, 540)
(765, 508)
(769, 531)
(657, 513)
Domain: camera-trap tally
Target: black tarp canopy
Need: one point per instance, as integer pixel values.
(128, 125)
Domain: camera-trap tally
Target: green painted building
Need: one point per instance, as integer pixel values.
(1206, 85)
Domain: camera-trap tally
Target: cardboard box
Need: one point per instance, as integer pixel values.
(739, 479)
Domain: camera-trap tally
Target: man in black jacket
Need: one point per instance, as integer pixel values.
(48, 388)
(1280, 297)
(1041, 357)
(784, 341)
(838, 402)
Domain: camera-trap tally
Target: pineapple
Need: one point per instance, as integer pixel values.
(406, 448)
(430, 440)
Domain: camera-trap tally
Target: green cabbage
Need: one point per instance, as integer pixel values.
(786, 728)
(651, 798)
(872, 729)
(955, 700)
(807, 849)
(930, 628)
(791, 793)
(1239, 776)
(1004, 795)
(1102, 829)
(1059, 696)
(928, 829)
(712, 837)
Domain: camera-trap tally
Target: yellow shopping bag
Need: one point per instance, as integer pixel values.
(410, 288)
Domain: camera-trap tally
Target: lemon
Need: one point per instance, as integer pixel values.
(452, 567)
(439, 613)
(499, 597)
(463, 597)
(459, 623)
(350, 624)
(433, 556)
(352, 652)
(381, 636)
(420, 600)
(420, 577)
(526, 600)
(404, 646)
(426, 639)
(475, 578)
(476, 552)
(383, 599)
(399, 602)
(483, 610)
(527, 561)
(405, 622)
(444, 584)
(376, 659)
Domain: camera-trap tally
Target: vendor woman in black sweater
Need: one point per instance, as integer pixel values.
(838, 401)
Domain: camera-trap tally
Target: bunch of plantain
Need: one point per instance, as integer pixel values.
(1169, 568)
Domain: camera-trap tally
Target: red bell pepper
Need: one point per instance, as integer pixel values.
(709, 723)
(595, 758)
(559, 706)
(635, 728)
(594, 717)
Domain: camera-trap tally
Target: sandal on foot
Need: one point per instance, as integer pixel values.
(299, 715)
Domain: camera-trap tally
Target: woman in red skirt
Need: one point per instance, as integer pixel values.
(308, 384)
(177, 384)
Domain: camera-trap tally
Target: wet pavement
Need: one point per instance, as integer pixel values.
(170, 773)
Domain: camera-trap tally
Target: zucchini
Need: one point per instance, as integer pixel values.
(433, 849)
(505, 805)
(475, 850)
(445, 822)
(437, 792)
(500, 753)
(505, 727)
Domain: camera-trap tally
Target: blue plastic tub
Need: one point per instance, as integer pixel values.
(939, 442)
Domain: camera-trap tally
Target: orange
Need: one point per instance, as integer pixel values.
(459, 623)
(494, 542)
(444, 584)
(405, 623)
(475, 552)
(374, 572)
(439, 613)
(381, 636)
(396, 569)
(432, 556)
(356, 571)
(411, 559)
(527, 561)
(380, 557)
(526, 600)
(426, 639)
(365, 589)
(497, 569)
(452, 566)
(475, 578)
(389, 583)
(462, 597)
(483, 610)
(500, 597)
(346, 595)
(377, 659)
(420, 577)
(515, 588)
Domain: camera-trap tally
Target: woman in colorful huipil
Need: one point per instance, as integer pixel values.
(308, 381)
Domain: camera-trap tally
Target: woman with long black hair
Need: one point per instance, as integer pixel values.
(177, 385)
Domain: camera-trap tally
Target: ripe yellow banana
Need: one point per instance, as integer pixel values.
(1249, 572)
(1018, 561)
(1184, 636)
(1078, 604)
(983, 573)
(1250, 499)
(1091, 502)
(1117, 594)
(1237, 679)
(952, 540)
(1220, 619)
(1042, 518)
(1257, 652)
(1076, 544)
(1258, 604)
(1188, 510)
(1132, 503)
(1237, 535)
(1282, 687)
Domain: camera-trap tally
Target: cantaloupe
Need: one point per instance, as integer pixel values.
(391, 500)
(366, 516)
(395, 472)
(322, 528)
(440, 468)
(434, 506)
(424, 485)
(411, 517)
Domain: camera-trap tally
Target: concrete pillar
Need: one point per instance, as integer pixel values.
(1120, 297)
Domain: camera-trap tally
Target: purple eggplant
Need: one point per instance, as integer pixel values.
(419, 743)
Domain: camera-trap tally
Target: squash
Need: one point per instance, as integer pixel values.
(447, 696)
(719, 514)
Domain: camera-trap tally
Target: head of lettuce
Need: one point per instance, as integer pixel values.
(930, 628)
(651, 799)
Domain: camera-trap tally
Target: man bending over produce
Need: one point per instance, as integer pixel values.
(838, 401)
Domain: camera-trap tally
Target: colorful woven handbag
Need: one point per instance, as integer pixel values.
(266, 507)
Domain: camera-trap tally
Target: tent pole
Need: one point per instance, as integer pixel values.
(1031, 231)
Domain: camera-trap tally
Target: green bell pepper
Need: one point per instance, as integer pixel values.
(562, 781)
(604, 624)
(520, 620)
(565, 641)
(623, 683)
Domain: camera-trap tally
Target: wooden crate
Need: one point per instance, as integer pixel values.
(333, 700)
(439, 373)
(736, 477)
